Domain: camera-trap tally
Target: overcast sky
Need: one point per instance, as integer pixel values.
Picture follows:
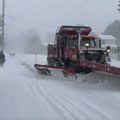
(47, 15)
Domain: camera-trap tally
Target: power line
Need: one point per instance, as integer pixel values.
(22, 22)
(10, 27)
(29, 25)
(14, 29)
(30, 21)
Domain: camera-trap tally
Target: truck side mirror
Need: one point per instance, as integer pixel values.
(99, 43)
(108, 48)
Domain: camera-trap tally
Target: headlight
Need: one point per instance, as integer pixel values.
(87, 45)
(108, 50)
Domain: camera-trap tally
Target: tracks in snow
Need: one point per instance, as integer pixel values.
(74, 103)
(94, 77)
(68, 102)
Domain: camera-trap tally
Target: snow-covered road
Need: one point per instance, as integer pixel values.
(26, 95)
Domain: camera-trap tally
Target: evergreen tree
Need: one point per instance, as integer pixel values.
(113, 29)
(119, 6)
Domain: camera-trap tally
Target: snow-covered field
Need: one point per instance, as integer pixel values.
(27, 95)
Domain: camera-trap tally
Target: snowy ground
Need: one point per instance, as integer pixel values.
(26, 95)
(115, 63)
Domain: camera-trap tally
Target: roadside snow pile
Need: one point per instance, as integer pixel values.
(115, 63)
(91, 78)
(27, 95)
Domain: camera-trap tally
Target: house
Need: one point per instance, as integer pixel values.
(109, 40)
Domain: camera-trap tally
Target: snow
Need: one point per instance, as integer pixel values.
(111, 45)
(115, 63)
(27, 95)
(107, 37)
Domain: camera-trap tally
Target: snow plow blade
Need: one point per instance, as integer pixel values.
(102, 68)
(46, 70)
(99, 67)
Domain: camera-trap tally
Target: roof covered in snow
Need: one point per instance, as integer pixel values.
(106, 37)
(103, 37)
(111, 45)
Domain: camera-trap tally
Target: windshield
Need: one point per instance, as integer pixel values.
(72, 43)
(90, 41)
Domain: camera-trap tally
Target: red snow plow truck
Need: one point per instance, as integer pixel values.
(75, 51)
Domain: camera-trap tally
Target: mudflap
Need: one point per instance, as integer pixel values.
(69, 72)
(66, 73)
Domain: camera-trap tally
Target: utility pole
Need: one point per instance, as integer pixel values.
(3, 23)
(118, 54)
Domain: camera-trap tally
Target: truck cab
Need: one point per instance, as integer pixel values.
(74, 42)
